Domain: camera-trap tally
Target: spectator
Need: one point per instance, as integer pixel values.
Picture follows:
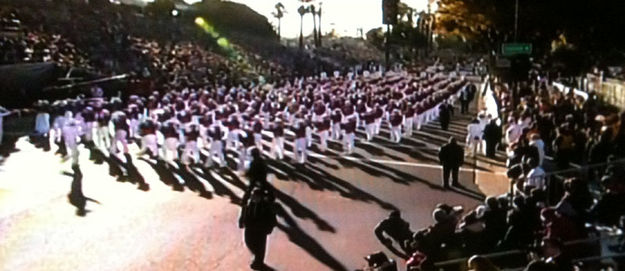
(399, 231)
(480, 263)
(451, 157)
(492, 136)
(553, 252)
(536, 176)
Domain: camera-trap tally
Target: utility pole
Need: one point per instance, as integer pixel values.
(387, 45)
(319, 29)
(516, 19)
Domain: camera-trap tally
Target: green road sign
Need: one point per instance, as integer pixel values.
(510, 49)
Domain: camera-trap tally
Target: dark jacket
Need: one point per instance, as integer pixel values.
(451, 155)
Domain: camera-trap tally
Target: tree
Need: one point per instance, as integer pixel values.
(161, 8)
(311, 9)
(278, 14)
(301, 10)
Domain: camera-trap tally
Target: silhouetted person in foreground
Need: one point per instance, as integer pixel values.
(258, 218)
(75, 196)
(451, 157)
(257, 173)
(398, 230)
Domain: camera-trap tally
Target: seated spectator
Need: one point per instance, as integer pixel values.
(471, 235)
(553, 253)
(610, 207)
(494, 218)
(480, 263)
(398, 230)
(536, 176)
(558, 226)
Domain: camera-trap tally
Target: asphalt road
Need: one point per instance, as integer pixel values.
(330, 207)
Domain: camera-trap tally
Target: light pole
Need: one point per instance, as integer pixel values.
(516, 19)
(319, 29)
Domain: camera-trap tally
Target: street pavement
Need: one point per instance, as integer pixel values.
(330, 207)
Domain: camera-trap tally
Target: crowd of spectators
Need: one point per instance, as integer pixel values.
(550, 207)
(119, 39)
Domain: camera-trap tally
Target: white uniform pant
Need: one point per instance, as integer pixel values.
(134, 127)
(149, 142)
(408, 126)
(216, 149)
(277, 147)
(170, 150)
(396, 133)
(120, 137)
(323, 140)
(472, 145)
(419, 121)
(378, 125)
(191, 153)
(348, 142)
(258, 141)
(309, 137)
(88, 130)
(299, 152)
(72, 150)
(103, 137)
(336, 131)
(232, 141)
(371, 127)
(243, 157)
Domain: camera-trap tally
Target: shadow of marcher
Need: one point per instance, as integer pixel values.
(8, 146)
(219, 188)
(164, 173)
(134, 176)
(75, 196)
(297, 208)
(191, 181)
(306, 242)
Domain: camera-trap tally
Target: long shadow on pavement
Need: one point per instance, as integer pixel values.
(219, 188)
(165, 174)
(306, 242)
(321, 179)
(191, 181)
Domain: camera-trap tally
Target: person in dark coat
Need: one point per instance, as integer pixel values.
(257, 172)
(492, 136)
(444, 115)
(451, 157)
(465, 96)
(258, 218)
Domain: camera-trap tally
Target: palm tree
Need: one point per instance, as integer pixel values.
(311, 9)
(278, 14)
(301, 10)
(319, 30)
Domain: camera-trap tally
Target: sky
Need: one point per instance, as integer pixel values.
(344, 16)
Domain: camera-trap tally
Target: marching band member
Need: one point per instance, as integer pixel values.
(216, 134)
(120, 122)
(299, 151)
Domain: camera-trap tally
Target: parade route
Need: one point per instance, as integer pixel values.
(329, 208)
